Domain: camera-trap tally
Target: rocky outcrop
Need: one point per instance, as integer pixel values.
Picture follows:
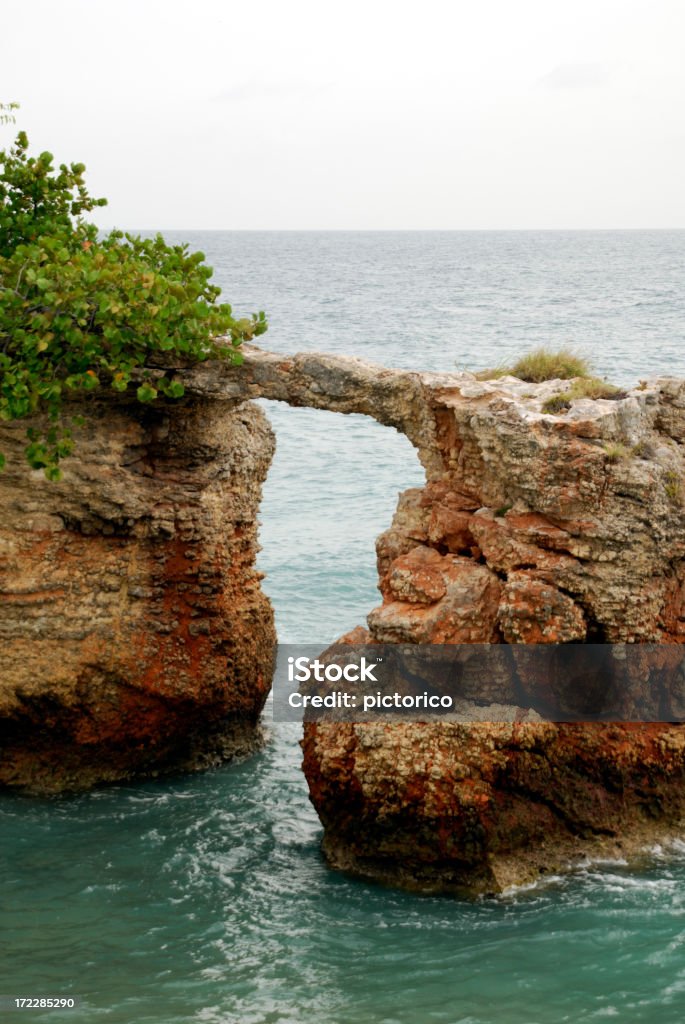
(134, 632)
(471, 809)
(532, 528)
(134, 635)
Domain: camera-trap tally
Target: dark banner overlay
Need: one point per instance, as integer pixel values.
(480, 683)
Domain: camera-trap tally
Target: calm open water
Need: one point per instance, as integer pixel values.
(204, 898)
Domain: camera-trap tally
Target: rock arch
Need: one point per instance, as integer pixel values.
(135, 636)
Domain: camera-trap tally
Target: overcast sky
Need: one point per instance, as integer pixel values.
(364, 114)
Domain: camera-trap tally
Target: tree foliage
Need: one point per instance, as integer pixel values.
(79, 311)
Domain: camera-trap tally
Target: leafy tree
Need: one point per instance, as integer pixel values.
(79, 311)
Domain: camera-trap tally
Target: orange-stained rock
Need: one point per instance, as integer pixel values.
(409, 527)
(135, 637)
(417, 577)
(533, 612)
(471, 809)
(465, 612)
(132, 618)
(450, 528)
(507, 548)
(542, 528)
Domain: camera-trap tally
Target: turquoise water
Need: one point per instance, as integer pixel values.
(204, 898)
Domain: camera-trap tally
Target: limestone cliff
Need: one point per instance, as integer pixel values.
(134, 634)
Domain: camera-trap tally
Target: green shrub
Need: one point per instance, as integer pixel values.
(78, 311)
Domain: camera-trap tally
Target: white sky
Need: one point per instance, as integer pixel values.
(363, 114)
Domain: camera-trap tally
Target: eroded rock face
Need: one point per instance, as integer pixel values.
(532, 528)
(134, 634)
(469, 809)
(135, 628)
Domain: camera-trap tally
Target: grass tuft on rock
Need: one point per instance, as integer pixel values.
(542, 364)
(615, 452)
(583, 387)
(561, 364)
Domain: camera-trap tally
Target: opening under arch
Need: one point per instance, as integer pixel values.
(331, 490)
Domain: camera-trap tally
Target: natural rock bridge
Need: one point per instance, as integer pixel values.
(135, 636)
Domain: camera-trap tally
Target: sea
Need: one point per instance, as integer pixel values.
(204, 898)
